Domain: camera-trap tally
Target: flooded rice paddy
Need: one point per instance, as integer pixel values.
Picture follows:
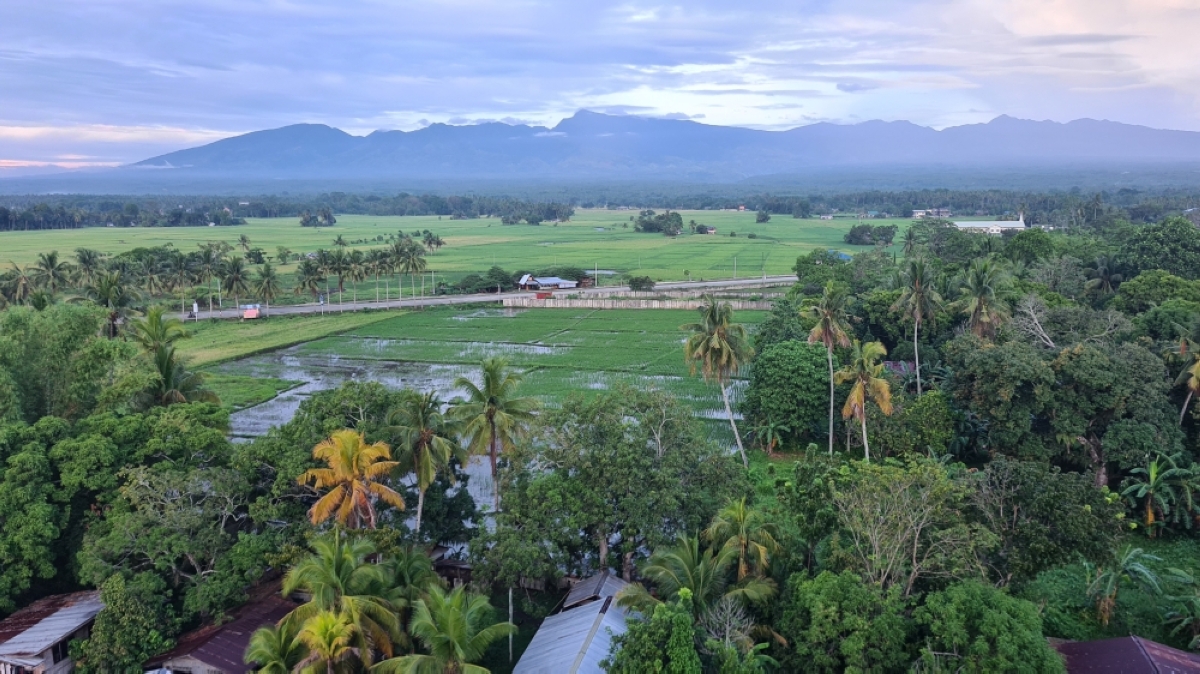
(561, 351)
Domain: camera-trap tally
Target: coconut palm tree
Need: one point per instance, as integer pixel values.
(51, 273)
(327, 636)
(985, 280)
(919, 300)
(455, 627)
(746, 531)
(718, 347)
(409, 574)
(111, 292)
(910, 241)
(353, 479)
(356, 271)
(864, 373)
(425, 440)
(493, 416)
(276, 649)
(180, 274)
(703, 571)
(208, 267)
(341, 579)
(88, 264)
(20, 283)
(244, 243)
(157, 330)
(235, 279)
(832, 318)
(1103, 278)
(338, 264)
(153, 281)
(266, 286)
(283, 255)
(340, 242)
(175, 384)
(309, 278)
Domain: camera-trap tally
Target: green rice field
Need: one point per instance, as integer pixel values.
(601, 239)
(560, 350)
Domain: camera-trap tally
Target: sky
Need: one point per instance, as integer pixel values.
(105, 82)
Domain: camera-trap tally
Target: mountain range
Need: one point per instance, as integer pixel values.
(595, 146)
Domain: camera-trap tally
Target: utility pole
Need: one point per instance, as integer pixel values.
(735, 268)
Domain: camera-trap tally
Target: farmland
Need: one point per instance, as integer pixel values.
(593, 238)
(561, 351)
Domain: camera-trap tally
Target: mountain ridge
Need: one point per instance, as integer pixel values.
(595, 145)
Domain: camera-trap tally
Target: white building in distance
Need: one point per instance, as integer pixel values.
(991, 226)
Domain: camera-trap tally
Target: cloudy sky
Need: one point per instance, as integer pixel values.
(110, 81)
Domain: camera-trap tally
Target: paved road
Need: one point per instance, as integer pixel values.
(446, 300)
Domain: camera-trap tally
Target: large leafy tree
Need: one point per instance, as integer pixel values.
(719, 348)
(427, 440)
(901, 526)
(787, 388)
(833, 320)
(919, 301)
(976, 628)
(619, 473)
(662, 642)
(864, 373)
(836, 622)
(455, 627)
(1172, 245)
(493, 415)
(354, 479)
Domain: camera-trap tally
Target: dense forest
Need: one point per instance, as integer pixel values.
(943, 458)
(1064, 209)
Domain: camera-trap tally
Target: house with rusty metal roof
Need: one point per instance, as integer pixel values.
(220, 649)
(1125, 655)
(575, 640)
(37, 638)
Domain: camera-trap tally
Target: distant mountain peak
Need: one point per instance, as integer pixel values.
(597, 145)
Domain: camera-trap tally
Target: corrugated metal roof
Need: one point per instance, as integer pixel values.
(1126, 655)
(45, 622)
(574, 641)
(223, 646)
(599, 586)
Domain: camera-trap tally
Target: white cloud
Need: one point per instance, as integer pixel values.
(125, 79)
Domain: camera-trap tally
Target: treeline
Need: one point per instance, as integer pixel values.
(73, 211)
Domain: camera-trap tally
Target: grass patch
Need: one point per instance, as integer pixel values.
(594, 238)
(217, 341)
(238, 392)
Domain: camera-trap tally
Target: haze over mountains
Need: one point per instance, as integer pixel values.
(598, 148)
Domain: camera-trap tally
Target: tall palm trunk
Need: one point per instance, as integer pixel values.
(829, 356)
(866, 447)
(492, 452)
(917, 353)
(376, 288)
(736, 435)
(1186, 402)
(420, 506)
